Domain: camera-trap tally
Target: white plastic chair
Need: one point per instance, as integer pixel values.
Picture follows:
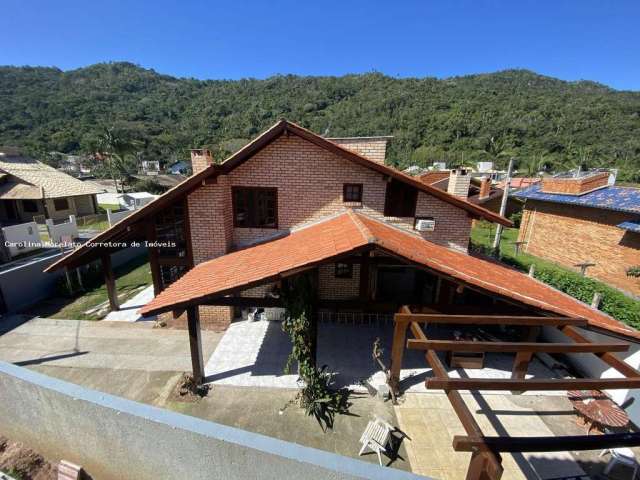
(624, 456)
(376, 437)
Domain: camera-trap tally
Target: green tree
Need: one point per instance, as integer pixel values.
(118, 152)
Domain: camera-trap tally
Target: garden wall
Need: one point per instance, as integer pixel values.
(114, 438)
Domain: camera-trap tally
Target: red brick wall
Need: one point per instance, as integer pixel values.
(373, 148)
(310, 180)
(574, 186)
(310, 183)
(332, 288)
(570, 235)
(210, 224)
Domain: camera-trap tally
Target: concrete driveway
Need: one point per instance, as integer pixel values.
(92, 344)
(133, 360)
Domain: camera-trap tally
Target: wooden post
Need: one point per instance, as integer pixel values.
(365, 293)
(597, 298)
(195, 344)
(150, 230)
(520, 367)
(110, 281)
(479, 467)
(397, 352)
(313, 321)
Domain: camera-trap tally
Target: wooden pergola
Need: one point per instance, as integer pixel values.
(486, 462)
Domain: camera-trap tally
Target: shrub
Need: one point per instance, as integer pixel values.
(516, 218)
(615, 303)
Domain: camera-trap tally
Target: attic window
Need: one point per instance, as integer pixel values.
(352, 192)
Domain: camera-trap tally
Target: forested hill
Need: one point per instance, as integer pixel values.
(479, 117)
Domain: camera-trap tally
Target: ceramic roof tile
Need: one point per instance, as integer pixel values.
(622, 199)
(350, 231)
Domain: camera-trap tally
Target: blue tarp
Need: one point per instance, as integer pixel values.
(621, 199)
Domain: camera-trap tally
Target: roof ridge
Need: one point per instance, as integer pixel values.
(366, 233)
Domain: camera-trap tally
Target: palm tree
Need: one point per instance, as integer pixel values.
(117, 150)
(533, 165)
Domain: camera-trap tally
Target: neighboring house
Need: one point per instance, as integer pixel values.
(30, 188)
(75, 165)
(178, 168)
(292, 201)
(581, 220)
(477, 190)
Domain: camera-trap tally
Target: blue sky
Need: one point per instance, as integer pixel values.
(595, 40)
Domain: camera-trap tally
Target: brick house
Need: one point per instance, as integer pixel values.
(587, 221)
(293, 202)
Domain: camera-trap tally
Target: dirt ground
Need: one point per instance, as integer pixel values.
(22, 463)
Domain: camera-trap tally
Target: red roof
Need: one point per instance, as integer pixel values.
(349, 232)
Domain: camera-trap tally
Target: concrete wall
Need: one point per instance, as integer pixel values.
(26, 284)
(66, 231)
(591, 366)
(22, 238)
(115, 217)
(114, 438)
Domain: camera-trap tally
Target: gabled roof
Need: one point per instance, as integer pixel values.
(351, 232)
(285, 127)
(620, 199)
(282, 127)
(52, 183)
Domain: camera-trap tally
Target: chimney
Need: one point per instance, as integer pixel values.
(485, 187)
(459, 181)
(200, 159)
(373, 148)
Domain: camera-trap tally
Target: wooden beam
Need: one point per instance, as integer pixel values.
(110, 281)
(610, 359)
(397, 351)
(532, 384)
(488, 319)
(489, 465)
(547, 444)
(195, 344)
(483, 347)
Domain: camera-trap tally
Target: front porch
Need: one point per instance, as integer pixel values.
(253, 354)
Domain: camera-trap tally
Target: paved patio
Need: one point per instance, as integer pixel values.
(431, 423)
(253, 354)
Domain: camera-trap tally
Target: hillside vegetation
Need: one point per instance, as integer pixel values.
(494, 116)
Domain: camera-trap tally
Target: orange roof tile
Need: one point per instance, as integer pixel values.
(351, 231)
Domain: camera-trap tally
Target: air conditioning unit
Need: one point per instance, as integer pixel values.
(425, 224)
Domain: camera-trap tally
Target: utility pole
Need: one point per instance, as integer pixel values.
(503, 208)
